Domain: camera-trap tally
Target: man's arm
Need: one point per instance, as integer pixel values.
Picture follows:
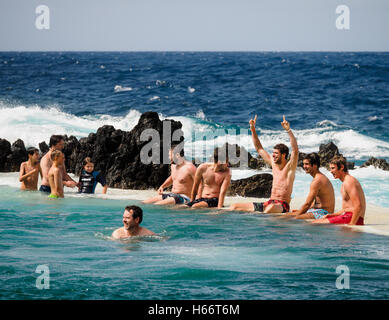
(356, 202)
(313, 191)
(67, 180)
(198, 179)
(295, 150)
(57, 181)
(23, 176)
(223, 190)
(257, 144)
(168, 182)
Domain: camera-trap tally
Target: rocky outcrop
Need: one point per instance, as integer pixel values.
(377, 163)
(15, 157)
(5, 150)
(326, 153)
(258, 186)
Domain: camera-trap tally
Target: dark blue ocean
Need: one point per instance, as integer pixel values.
(339, 97)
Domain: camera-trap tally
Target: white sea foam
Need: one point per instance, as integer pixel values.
(191, 90)
(119, 88)
(34, 124)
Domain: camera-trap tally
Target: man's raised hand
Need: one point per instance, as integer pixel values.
(253, 122)
(285, 124)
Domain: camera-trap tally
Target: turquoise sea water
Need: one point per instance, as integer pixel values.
(197, 255)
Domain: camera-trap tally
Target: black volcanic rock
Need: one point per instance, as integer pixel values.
(5, 150)
(43, 147)
(258, 186)
(116, 153)
(16, 157)
(377, 163)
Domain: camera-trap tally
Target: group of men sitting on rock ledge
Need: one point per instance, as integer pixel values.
(206, 185)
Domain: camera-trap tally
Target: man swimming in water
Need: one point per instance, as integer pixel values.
(30, 170)
(132, 217)
(321, 197)
(283, 173)
(353, 197)
(211, 182)
(55, 175)
(182, 177)
(56, 143)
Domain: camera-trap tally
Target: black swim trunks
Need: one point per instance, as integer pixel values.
(212, 202)
(259, 206)
(44, 188)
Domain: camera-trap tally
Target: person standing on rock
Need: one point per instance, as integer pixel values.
(211, 182)
(283, 173)
(321, 197)
(56, 143)
(353, 197)
(30, 170)
(182, 178)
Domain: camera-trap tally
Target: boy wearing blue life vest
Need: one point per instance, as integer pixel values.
(89, 178)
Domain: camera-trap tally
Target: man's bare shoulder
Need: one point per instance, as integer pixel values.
(118, 233)
(203, 166)
(23, 164)
(147, 232)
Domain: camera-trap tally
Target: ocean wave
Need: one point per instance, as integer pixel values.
(34, 124)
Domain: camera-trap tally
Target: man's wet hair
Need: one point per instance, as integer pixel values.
(313, 159)
(55, 154)
(54, 139)
(136, 212)
(31, 151)
(223, 157)
(283, 149)
(339, 161)
(182, 152)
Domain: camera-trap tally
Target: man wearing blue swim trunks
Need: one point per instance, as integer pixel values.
(182, 178)
(321, 197)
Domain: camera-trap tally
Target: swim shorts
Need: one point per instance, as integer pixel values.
(318, 213)
(44, 188)
(212, 202)
(259, 206)
(179, 198)
(345, 218)
(53, 196)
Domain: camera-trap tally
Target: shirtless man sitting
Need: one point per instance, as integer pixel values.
(56, 143)
(30, 170)
(283, 174)
(353, 197)
(182, 177)
(211, 182)
(56, 174)
(132, 217)
(321, 197)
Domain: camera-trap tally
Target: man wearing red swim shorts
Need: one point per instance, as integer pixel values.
(353, 198)
(283, 170)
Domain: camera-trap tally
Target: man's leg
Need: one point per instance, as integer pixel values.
(201, 204)
(273, 208)
(167, 201)
(307, 215)
(152, 200)
(321, 221)
(247, 206)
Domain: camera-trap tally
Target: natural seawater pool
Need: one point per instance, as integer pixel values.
(198, 255)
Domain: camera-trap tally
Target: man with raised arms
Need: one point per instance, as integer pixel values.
(181, 177)
(211, 182)
(132, 217)
(30, 170)
(55, 174)
(283, 174)
(353, 197)
(321, 197)
(56, 143)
